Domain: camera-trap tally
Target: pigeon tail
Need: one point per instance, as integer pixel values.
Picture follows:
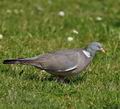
(17, 61)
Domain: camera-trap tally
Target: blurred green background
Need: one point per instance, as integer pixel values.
(32, 27)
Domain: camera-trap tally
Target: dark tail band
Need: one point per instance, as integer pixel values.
(11, 61)
(17, 61)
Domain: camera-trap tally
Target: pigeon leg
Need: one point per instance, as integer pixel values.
(59, 79)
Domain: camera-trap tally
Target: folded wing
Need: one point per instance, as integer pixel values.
(62, 61)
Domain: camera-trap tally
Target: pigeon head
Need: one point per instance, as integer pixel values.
(94, 47)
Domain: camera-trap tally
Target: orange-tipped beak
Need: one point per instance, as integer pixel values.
(102, 49)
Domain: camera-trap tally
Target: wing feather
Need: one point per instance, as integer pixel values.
(63, 61)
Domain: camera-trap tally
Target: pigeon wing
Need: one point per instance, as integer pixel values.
(63, 61)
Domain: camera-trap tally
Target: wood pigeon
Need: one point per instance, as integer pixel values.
(62, 63)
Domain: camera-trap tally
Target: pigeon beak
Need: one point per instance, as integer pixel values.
(102, 49)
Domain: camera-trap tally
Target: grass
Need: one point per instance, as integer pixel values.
(33, 27)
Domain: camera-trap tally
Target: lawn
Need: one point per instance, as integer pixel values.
(32, 27)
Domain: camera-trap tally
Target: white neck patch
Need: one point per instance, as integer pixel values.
(86, 53)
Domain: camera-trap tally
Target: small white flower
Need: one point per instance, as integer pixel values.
(8, 11)
(75, 31)
(70, 39)
(1, 36)
(98, 18)
(21, 10)
(61, 13)
(16, 11)
(39, 8)
(49, 2)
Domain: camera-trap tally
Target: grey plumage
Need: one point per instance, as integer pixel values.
(62, 63)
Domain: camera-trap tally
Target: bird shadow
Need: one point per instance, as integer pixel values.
(76, 80)
(47, 77)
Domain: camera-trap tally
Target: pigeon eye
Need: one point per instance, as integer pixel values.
(98, 46)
